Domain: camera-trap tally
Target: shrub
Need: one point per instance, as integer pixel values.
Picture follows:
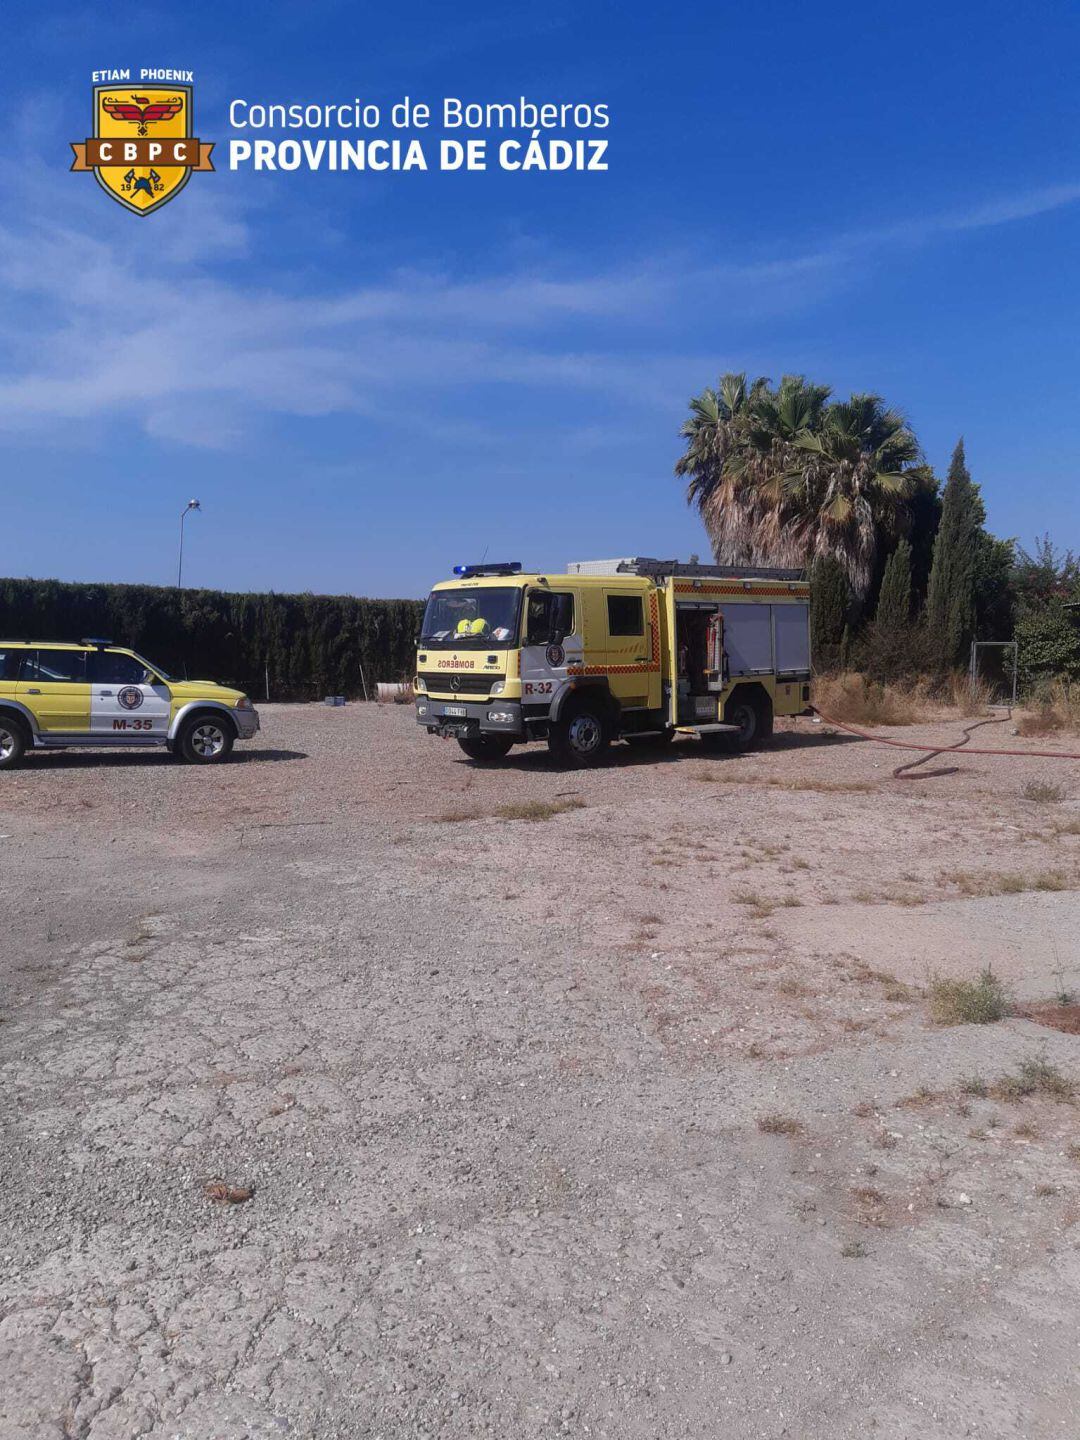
(968, 1002)
(860, 701)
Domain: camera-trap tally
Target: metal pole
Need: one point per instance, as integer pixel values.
(191, 505)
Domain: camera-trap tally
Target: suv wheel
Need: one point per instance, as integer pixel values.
(581, 737)
(486, 747)
(12, 743)
(206, 740)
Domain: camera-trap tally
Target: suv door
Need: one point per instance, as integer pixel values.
(127, 699)
(53, 686)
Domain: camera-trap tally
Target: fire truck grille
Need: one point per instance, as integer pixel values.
(456, 684)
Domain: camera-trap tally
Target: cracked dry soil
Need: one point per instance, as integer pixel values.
(500, 1091)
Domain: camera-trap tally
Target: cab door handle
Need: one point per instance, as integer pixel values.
(32, 690)
(105, 692)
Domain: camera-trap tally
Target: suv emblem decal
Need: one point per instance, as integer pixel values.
(131, 697)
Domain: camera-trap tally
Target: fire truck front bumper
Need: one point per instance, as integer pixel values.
(465, 719)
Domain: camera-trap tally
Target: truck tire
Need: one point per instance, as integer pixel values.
(582, 735)
(13, 741)
(487, 747)
(746, 712)
(206, 740)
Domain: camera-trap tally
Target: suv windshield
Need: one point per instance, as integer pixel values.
(459, 619)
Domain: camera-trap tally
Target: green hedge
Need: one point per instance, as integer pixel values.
(313, 645)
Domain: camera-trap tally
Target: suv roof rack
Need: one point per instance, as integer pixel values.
(94, 640)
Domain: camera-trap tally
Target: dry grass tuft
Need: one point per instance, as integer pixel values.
(968, 1002)
(856, 700)
(522, 810)
(1037, 1076)
(1043, 792)
(1005, 883)
(779, 1125)
(224, 1194)
(970, 697)
(854, 1250)
(775, 782)
(1056, 710)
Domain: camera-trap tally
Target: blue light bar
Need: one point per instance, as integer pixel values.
(503, 567)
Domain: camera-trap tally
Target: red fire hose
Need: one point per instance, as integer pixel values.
(931, 750)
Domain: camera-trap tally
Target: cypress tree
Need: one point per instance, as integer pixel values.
(894, 599)
(950, 600)
(829, 602)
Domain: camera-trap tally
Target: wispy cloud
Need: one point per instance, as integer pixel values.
(92, 331)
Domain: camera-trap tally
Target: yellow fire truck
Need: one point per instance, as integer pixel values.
(635, 649)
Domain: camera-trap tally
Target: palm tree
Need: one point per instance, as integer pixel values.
(784, 477)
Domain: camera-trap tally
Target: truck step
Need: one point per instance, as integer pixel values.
(711, 729)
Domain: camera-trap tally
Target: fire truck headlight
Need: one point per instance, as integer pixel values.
(421, 709)
(501, 717)
(420, 683)
(498, 687)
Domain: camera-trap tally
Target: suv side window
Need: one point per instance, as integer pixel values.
(549, 614)
(109, 668)
(10, 660)
(626, 615)
(50, 666)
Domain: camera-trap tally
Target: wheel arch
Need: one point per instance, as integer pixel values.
(595, 687)
(12, 710)
(195, 708)
(759, 697)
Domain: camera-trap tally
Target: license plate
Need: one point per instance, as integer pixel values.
(455, 710)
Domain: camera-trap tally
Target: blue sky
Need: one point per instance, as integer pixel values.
(368, 377)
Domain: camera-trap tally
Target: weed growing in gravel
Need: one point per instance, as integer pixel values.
(924, 1095)
(1042, 792)
(1006, 884)
(1073, 1152)
(779, 1125)
(968, 1002)
(791, 985)
(522, 810)
(1037, 1076)
(854, 1250)
(775, 782)
(224, 1194)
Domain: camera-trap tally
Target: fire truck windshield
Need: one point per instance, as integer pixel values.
(474, 618)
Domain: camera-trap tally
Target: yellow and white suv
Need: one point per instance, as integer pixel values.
(96, 693)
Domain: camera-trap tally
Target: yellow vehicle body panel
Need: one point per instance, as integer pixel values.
(633, 649)
(139, 707)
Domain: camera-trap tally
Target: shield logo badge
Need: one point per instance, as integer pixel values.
(143, 149)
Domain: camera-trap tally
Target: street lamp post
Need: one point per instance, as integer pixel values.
(191, 505)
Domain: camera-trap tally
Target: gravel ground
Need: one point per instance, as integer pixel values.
(627, 1122)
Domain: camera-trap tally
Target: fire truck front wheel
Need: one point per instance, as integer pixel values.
(487, 747)
(581, 736)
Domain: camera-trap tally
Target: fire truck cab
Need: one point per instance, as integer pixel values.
(634, 649)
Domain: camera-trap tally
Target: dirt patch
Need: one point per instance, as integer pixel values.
(576, 1127)
(1065, 1018)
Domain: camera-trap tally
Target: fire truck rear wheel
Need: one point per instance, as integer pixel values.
(487, 747)
(744, 714)
(582, 736)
